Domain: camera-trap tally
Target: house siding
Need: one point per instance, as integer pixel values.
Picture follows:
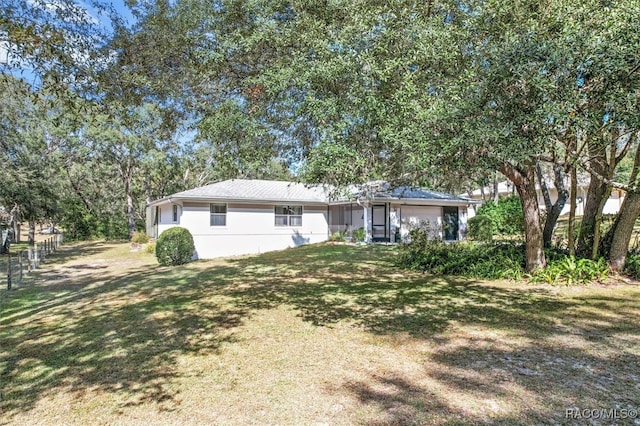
(249, 229)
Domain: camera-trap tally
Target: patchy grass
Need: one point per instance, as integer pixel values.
(322, 334)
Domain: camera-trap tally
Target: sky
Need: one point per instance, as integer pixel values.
(22, 69)
(118, 5)
(122, 10)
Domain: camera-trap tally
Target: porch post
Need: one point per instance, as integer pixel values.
(367, 223)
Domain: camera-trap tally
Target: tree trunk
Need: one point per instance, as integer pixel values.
(130, 209)
(553, 209)
(615, 244)
(31, 239)
(533, 237)
(544, 188)
(524, 180)
(598, 224)
(620, 232)
(552, 218)
(16, 231)
(602, 163)
(572, 211)
(596, 192)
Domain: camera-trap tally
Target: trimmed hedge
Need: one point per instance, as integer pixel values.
(175, 246)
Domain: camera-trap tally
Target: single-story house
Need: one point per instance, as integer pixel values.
(241, 216)
(505, 188)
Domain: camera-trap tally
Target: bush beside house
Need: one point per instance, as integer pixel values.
(175, 246)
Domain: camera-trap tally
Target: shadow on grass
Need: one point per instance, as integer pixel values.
(112, 331)
(124, 331)
(362, 285)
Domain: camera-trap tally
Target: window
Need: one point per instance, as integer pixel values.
(288, 215)
(218, 214)
(175, 213)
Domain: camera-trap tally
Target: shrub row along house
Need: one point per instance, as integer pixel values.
(240, 216)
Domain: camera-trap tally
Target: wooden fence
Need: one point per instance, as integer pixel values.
(18, 265)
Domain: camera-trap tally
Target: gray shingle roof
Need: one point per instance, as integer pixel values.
(257, 190)
(384, 191)
(421, 194)
(286, 192)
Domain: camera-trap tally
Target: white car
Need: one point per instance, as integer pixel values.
(50, 230)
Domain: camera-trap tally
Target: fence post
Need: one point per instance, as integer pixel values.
(36, 253)
(8, 271)
(20, 265)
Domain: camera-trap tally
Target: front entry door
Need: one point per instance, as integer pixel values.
(379, 222)
(450, 223)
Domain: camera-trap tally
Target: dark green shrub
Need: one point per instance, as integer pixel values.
(140, 237)
(487, 261)
(359, 235)
(499, 260)
(633, 265)
(480, 228)
(175, 246)
(505, 214)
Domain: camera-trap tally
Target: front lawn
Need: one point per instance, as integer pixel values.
(322, 334)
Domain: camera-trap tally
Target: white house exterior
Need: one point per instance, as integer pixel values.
(239, 216)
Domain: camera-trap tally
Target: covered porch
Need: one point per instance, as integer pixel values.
(392, 221)
(377, 220)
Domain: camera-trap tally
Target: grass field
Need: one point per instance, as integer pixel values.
(322, 334)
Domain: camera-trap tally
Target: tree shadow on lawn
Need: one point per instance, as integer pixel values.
(568, 351)
(362, 285)
(72, 251)
(107, 334)
(123, 333)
